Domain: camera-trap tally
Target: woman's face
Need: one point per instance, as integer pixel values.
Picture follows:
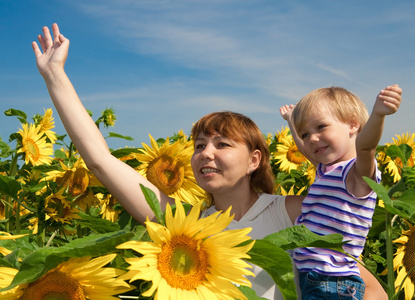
(221, 164)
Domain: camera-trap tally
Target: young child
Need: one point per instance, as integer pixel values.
(329, 127)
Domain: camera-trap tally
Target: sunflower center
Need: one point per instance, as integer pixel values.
(409, 257)
(55, 285)
(33, 149)
(295, 156)
(166, 173)
(183, 263)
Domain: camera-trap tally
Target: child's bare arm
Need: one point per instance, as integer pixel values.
(286, 112)
(387, 103)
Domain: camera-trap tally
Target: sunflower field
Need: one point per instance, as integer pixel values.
(64, 236)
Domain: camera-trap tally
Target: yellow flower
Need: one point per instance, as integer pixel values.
(86, 200)
(6, 278)
(268, 139)
(34, 224)
(46, 124)
(192, 258)
(283, 135)
(168, 168)
(291, 191)
(59, 208)
(181, 134)
(75, 279)
(76, 178)
(311, 172)
(288, 155)
(37, 151)
(107, 207)
(404, 261)
(23, 210)
(392, 165)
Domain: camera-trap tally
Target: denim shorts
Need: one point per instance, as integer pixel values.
(317, 286)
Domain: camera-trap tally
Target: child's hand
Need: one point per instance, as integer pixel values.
(286, 111)
(388, 100)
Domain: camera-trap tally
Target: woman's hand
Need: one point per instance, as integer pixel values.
(55, 51)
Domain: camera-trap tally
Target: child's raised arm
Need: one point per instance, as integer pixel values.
(387, 103)
(286, 112)
(121, 180)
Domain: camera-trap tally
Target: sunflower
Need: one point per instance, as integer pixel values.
(404, 261)
(291, 191)
(75, 279)
(6, 278)
(288, 155)
(76, 178)
(16, 206)
(392, 166)
(191, 258)
(60, 209)
(46, 124)
(311, 172)
(282, 135)
(168, 168)
(107, 207)
(269, 138)
(37, 151)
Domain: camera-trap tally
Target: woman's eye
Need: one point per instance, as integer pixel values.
(223, 145)
(200, 146)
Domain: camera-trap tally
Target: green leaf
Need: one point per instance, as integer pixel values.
(17, 113)
(153, 202)
(5, 150)
(116, 135)
(60, 154)
(406, 152)
(406, 204)
(9, 186)
(124, 152)
(277, 263)
(402, 151)
(42, 260)
(96, 224)
(403, 207)
(300, 236)
(380, 190)
(250, 293)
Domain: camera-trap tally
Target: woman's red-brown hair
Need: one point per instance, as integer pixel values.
(241, 129)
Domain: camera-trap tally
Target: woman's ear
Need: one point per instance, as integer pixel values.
(255, 160)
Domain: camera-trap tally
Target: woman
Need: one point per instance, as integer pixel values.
(230, 161)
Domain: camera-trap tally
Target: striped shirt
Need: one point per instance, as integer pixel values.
(330, 208)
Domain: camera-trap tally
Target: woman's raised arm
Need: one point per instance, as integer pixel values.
(121, 180)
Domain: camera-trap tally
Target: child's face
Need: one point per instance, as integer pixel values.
(326, 139)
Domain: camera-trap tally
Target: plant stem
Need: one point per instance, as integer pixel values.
(9, 200)
(389, 256)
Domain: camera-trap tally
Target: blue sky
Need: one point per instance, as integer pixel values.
(161, 65)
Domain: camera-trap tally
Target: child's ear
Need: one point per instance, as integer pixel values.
(354, 128)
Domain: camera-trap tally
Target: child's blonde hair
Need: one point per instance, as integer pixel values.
(343, 104)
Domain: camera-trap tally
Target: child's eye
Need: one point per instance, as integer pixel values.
(304, 136)
(321, 126)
